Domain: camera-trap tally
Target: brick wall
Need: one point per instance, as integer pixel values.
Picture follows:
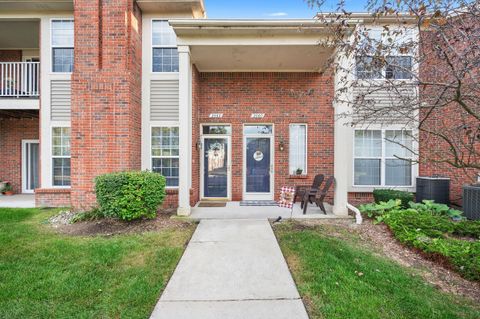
(12, 132)
(52, 197)
(448, 117)
(284, 98)
(10, 55)
(195, 190)
(106, 94)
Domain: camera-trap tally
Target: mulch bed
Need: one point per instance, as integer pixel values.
(110, 226)
(382, 241)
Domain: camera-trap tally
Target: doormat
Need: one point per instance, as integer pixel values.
(212, 204)
(258, 203)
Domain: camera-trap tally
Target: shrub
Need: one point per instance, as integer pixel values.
(379, 209)
(130, 195)
(384, 195)
(432, 233)
(439, 209)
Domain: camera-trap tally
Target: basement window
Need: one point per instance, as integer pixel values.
(164, 47)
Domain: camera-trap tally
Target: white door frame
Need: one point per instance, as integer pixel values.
(229, 167)
(25, 160)
(259, 196)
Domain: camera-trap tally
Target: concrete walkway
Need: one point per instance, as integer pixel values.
(231, 269)
(18, 201)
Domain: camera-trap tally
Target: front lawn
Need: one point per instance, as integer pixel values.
(44, 274)
(339, 277)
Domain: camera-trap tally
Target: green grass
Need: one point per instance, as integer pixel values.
(47, 275)
(326, 270)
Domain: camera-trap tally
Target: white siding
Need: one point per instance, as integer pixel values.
(164, 100)
(386, 101)
(61, 100)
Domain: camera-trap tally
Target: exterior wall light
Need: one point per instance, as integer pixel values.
(281, 146)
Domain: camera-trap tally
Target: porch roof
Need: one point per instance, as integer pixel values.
(255, 45)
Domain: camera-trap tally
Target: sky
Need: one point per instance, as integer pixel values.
(270, 9)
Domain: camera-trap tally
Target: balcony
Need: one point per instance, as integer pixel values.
(19, 79)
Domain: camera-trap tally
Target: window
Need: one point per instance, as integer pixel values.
(62, 45)
(165, 153)
(398, 67)
(368, 68)
(298, 148)
(61, 156)
(394, 67)
(383, 158)
(164, 43)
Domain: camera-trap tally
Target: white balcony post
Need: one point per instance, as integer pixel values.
(185, 135)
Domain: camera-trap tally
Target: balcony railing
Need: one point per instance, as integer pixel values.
(19, 79)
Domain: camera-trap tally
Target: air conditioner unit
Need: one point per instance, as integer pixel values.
(433, 188)
(471, 201)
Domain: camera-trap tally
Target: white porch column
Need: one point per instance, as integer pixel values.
(185, 135)
(342, 142)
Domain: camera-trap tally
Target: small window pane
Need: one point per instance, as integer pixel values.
(257, 129)
(398, 172)
(399, 67)
(398, 143)
(367, 172)
(163, 34)
(297, 148)
(62, 33)
(165, 141)
(217, 129)
(61, 141)
(168, 167)
(368, 143)
(165, 60)
(368, 68)
(62, 60)
(61, 171)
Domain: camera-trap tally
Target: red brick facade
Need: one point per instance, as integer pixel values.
(52, 197)
(10, 55)
(106, 93)
(448, 114)
(285, 98)
(12, 132)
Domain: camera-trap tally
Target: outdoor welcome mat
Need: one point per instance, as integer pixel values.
(212, 204)
(258, 203)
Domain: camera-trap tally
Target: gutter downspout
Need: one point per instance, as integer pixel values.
(358, 216)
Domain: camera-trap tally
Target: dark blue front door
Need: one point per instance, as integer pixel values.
(258, 165)
(215, 167)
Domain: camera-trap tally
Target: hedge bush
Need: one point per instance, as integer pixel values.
(384, 195)
(430, 228)
(130, 195)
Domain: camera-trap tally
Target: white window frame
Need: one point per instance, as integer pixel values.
(383, 71)
(52, 157)
(152, 22)
(160, 125)
(414, 68)
(53, 46)
(383, 159)
(305, 170)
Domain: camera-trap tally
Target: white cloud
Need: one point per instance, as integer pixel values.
(278, 14)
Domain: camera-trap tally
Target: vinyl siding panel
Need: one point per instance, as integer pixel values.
(61, 100)
(164, 100)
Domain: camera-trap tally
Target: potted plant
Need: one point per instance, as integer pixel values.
(299, 171)
(2, 186)
(7, 190)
